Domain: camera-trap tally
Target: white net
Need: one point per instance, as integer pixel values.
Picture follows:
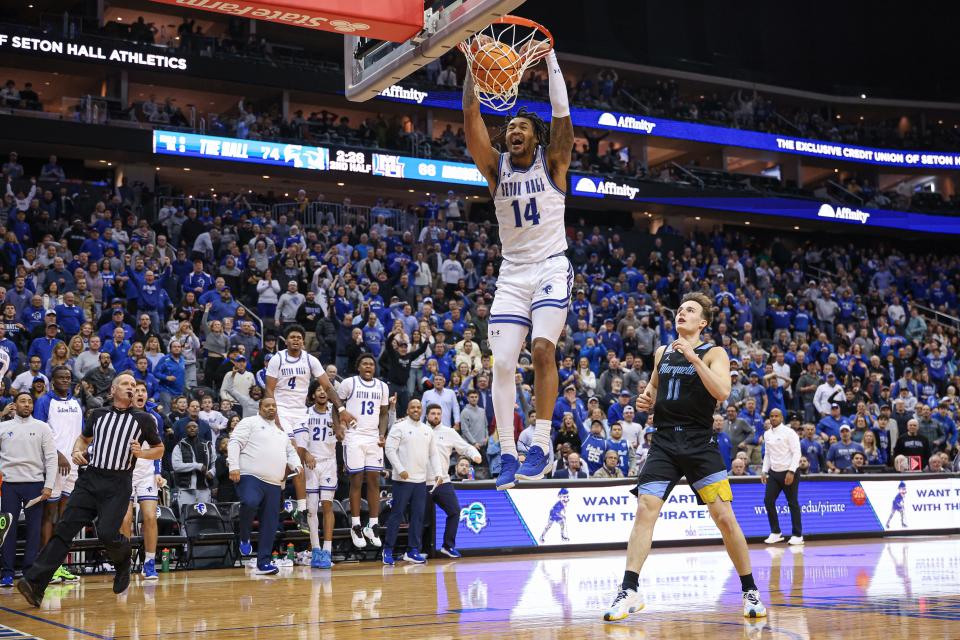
(499, 54)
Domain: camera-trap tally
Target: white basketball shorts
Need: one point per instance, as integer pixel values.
(362, 455)
(292, 421)
(322, 479)
(63, 485)
(535, 296)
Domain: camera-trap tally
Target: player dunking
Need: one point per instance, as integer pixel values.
(289, 374)
(319, 441)
(369, 400)
(689, 377)
(533, 286)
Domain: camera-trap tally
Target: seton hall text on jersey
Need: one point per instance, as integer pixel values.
(526, 187)
(300, 370)
(368, 394)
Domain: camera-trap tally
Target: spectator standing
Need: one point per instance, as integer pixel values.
(288, 305)
(473, 422)
(445, 398)
(193, 467)
(171, 373)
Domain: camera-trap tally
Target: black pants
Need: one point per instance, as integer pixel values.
(445, 497)
(776, 485)
(101, 495)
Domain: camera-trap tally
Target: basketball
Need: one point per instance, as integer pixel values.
(495, 66)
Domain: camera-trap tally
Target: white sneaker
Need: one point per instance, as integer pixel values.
(371, 535)
(356, 534)
(627, 601)
(752, 607)
(795, 540)
(773, 538)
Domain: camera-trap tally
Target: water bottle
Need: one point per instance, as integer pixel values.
(274, 556)
(291, 552)
(165, 560)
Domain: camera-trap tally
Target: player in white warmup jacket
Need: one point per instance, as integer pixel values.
(533, 286)
(289, 374)
(369, 400)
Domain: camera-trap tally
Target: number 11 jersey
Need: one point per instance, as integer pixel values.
(363, 401)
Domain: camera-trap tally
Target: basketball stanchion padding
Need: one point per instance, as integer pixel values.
(393, 20)
(498, 56)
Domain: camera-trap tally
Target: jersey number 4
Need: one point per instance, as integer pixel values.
(529, 212)
(292, 383)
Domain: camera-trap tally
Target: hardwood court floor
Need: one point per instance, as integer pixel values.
(898, 588)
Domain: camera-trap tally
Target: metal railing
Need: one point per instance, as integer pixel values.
(930, 313)
(258, 320)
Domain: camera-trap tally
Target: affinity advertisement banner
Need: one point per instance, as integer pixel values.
(588, 186)
(583, 513)
(711, 134)
(192, 145)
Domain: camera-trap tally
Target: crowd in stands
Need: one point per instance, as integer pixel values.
(177, 299)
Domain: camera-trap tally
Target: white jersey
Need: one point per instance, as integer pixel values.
(293, 379)
(530, 211)
(144, 470)
(363, 401)
(65, 417)
(319, 438)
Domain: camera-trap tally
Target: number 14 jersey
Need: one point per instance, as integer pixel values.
(363, 401)
(529, 210)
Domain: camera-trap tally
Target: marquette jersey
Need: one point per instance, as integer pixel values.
(319, 437)
(682, 399)
(530, 211)
(65, 417)
(363, 401)
(293, 377)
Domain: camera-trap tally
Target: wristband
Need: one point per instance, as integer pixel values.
(341, 409)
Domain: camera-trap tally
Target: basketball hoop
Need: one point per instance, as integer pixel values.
(499, 54)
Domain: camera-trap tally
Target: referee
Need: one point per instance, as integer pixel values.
(103, 489)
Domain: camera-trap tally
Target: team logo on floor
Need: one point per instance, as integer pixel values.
(474, 517)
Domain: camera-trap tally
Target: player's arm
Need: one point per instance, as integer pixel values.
(340, 413)
(475, 131)
(384, 415)
(649, 395)
(561, 125)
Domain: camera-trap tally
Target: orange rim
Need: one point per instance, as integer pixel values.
(526, 22)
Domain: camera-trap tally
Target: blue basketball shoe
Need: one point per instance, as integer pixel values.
(534, 466)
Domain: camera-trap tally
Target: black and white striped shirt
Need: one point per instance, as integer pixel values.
(112, 430)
